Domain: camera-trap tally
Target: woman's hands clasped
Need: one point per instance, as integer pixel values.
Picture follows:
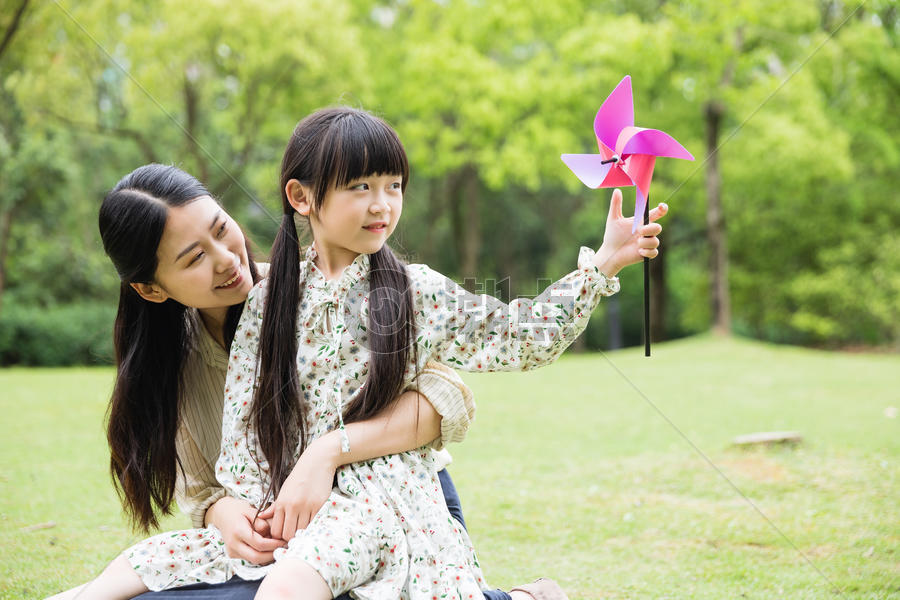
(246, 537)
(305, 490)
(254, 537)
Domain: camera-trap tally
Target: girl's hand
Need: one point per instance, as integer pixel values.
(234, 518)
(305, 490)
(621, 247)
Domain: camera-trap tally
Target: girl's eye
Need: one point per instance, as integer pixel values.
(360, 187)
(396, 185)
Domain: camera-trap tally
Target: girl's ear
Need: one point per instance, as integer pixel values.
(150, 292)
(298, 196)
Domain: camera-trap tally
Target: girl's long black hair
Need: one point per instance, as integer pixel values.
(329, 149)
(151, 341)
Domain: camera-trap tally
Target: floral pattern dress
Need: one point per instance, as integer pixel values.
(385, 532)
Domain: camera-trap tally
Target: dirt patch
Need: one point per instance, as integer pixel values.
(758, 468)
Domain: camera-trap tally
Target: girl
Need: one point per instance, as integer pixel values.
(369, 324)
(186, 269)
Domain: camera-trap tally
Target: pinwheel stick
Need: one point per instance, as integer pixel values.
(647, 286)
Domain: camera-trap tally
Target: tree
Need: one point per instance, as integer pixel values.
(215, 91)
(731, 58)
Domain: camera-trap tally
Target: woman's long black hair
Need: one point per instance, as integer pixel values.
(151, 341)
(329, 149)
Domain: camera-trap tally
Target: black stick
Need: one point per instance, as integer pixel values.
(647, 286)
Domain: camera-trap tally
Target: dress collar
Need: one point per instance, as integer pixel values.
(352, 274)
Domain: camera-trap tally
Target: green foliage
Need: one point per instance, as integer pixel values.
(841, 305)
(74, 334)
(486, 96)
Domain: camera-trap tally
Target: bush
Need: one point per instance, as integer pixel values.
(74, 334)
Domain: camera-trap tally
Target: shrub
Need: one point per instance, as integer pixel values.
(74, 334)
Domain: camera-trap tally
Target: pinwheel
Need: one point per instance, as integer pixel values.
(627, 157)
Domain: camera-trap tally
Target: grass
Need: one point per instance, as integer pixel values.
(568, 472)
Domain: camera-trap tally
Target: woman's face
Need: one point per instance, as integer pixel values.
(202, 257)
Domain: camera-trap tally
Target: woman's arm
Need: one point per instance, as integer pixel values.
(440, 411)
(196, 488)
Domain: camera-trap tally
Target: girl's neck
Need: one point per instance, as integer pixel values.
(332, 262)
(214, 321)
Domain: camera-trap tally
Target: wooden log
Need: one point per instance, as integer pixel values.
(768, 438)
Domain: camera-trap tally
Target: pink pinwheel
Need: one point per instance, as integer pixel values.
(627, 153)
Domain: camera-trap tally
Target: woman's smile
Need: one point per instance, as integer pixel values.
(235, 281)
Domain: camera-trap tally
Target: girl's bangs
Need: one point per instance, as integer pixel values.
(364, 145)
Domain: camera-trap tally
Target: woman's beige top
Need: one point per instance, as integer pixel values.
(200, 433)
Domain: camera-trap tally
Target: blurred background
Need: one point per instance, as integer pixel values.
(787, 234)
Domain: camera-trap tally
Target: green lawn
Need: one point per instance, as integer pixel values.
(568, 472)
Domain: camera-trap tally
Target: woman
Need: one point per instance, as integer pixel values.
(186, 270)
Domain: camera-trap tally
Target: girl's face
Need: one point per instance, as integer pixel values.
(355, 219)
(202, 259)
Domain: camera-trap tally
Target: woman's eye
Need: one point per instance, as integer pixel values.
(221, 231)
(196, 258)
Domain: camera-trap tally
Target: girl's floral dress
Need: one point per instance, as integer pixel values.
(385, 532)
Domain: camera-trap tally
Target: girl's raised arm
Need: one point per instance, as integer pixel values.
(481, 333)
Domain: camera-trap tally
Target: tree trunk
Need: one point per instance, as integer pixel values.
(13, 27)
(715, 223)
(192, 122)
(463, 186)
(614, 319)
(451, 196)
(5, 230)
(470, 188)
(658, 297)
(438, 198)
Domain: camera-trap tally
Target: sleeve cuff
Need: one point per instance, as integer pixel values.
(198, 514)
(451, 398)
(602, 285)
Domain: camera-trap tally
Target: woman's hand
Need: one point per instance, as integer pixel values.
(621, 247)
(234, 518)
(306, 489)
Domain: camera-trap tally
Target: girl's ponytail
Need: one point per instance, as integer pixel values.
(151, 341)
(391, 335)
(277, 414)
